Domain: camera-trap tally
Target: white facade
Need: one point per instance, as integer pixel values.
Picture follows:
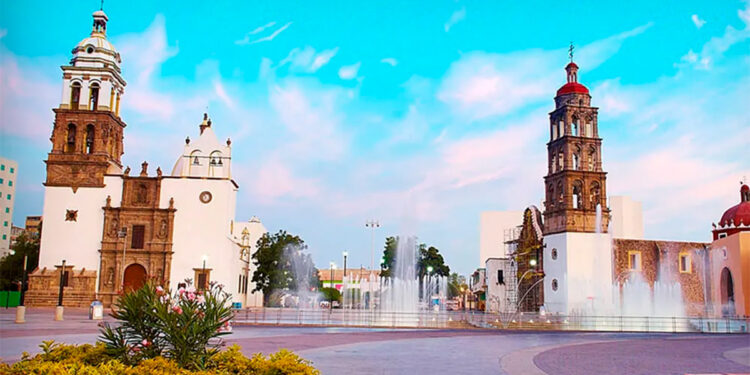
(578, 273)
(627, 218)
(8, 180)
(502, 285)
(246, 236)
(495, 228)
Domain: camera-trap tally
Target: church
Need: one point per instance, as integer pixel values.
(108, 229)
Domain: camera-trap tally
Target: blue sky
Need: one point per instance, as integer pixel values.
(421, 117)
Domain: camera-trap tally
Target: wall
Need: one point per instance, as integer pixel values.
(501, 297)
(627, 217)
(202, 229)
(78, 242)
(492, 226)
(255, 230)
(732, 252)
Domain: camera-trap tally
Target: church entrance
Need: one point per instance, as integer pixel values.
(135, 277)
(727, 293)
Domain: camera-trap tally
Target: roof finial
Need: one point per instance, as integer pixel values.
(101, 7)
(570, 51)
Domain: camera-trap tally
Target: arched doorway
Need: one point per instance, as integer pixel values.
(135, 277)
(727, 293)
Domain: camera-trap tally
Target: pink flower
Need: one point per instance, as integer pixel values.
(181, 291)
(201, 299)
(159, 290)
(191, 296)
(145, 343)
(177, 309)
(136, 349)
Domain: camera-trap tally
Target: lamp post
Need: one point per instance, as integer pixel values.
(123, 233)
(21, 309)
(203, 272)
(372, 224)
(346, 254)
(330, 298)
(59, 309)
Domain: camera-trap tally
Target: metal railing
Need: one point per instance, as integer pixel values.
(481, 320)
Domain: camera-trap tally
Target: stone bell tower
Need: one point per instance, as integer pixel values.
(87, 136)
(575, 183)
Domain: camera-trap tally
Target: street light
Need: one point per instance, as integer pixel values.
(330, 297)
(372, 224)
(532, 262)
(21, 309)
(429, 269)
(345, 255)
(203, 272)
(59, 309)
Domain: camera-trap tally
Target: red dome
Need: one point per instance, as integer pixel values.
(572, 87)
(740, 212)
(571, 65)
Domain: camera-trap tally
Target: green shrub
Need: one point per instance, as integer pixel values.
(57, 359)
(178, 326)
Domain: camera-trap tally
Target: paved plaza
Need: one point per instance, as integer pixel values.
(447, 351)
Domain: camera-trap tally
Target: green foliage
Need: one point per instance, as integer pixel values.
(11, 266)
(427, 257)
(155, 323)
(276, 259)
(94, 360)
(331, 294)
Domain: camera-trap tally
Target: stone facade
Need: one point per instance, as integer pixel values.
(575, 183)
(660, 261)
(44, 287)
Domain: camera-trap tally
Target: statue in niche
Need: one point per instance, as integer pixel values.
(109, 201)
(141, 194)
(163, 229)
(113, 227)
(110, 276)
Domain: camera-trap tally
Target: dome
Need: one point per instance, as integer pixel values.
(739, 213)
(572, 87)
(97, 42)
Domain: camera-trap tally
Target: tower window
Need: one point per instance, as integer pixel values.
(560, 161)
(577, 187)
(595, 195)
(70, 138)
(575, 126)
(500, 279)
(634, 260)
(589, 129)
(89, 139)
(94, 97)
(554, 132)
(576, 161)
(685, 266)
(75, 95)
(592, 159)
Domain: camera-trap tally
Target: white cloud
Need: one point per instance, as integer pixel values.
(349, 71)
(455, 18)
(222, 94)
(697, 21)
(714, 49)
(390, 61)
(307, 60)
(275, 180)
(268, 38)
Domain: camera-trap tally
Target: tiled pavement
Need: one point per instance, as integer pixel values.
(385, 351)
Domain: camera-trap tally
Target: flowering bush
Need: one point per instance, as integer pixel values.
(183, 326)
(95, 360)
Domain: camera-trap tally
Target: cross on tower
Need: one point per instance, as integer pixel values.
(101, 6)
(570, 50)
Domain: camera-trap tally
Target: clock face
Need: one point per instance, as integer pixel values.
(205, 197)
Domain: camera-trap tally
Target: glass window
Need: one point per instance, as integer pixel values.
(139, 232)
(634, 260)
(10, 183)
(5, 223)
(4, 237)
(685, 263)
(12, 170)
(8, 196)
(7, 210)
(1, 180)
(2, 167)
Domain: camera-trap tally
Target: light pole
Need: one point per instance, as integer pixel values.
(203, 273)
(345, 255)
(59, 309)
(372, 224)
(21, 309)
(330, 297)
(123, 233)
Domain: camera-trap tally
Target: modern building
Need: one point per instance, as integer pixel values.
(626, 217)
(8, 179)
(496, 229)
(501, 279)
(106, 230)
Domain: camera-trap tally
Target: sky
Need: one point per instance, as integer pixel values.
(420, 115)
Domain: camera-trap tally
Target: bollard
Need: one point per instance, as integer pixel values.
(59, 313)
(21, 314)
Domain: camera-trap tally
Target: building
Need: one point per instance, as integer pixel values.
(730, 260)
(8, 179)
(627, 218)
(496, 229)
(501, 285)
(107, 230)
(33, 226)
(576, 215)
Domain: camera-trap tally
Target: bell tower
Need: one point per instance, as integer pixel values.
(575, 183)
(87, 135)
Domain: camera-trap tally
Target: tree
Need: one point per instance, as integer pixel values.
(282, 265)
(427, 257)
(11, 266)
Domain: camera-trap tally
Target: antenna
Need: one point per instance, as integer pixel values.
(570, 50)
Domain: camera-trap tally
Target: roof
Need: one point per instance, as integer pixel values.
(740, 213)
(572, 87)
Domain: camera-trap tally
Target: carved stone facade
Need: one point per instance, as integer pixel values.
(44, 287)
(575, 183)
(668, 261)
(529, 258)
(86, 145)
(148, 237)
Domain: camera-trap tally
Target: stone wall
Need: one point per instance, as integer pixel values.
(44, 287)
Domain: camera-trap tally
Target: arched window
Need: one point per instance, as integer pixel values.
(589, 127)
(195, 161)
(90, 139)
(595, 195)
(577, 159)
(560, 161)
(214, 161)
(70, 138)
(94, 96)
(75, 95)
(577, 190)
(551, 196)
(554, 131)
(561, 128)
(592, 159)
(574, 126)
(560, 193)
